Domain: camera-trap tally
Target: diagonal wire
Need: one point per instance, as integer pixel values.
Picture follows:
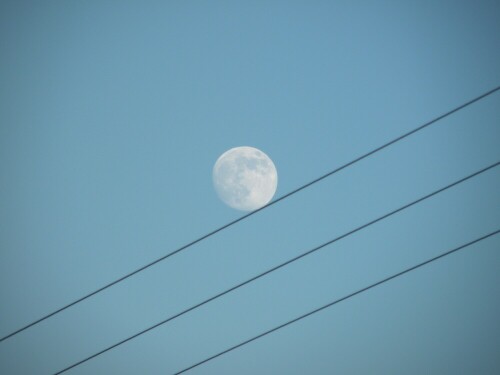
(339, 300)
(279, 266)
(130, 274)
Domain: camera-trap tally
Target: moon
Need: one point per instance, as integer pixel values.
(245, 178)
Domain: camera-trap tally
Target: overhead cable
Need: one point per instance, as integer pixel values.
(359, 291)
(296, 258)
(354, 161)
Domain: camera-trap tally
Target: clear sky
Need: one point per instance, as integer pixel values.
(112, 114)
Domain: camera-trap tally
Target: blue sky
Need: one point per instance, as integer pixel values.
(112, 115)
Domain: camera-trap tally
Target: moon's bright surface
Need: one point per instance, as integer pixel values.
(245, 178)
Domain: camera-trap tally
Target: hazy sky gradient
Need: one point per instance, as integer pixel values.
(112, 114)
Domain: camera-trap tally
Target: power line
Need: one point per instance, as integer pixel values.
(130, 274)
(338, 300)
(279, 266)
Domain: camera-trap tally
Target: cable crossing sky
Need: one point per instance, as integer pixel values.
(288, 262)
(359, 291)
(352, 162)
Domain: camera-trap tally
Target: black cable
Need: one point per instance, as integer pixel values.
(278, 267)
(250, 213)
(339, 300)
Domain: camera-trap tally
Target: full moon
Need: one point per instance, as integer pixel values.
(245, 178)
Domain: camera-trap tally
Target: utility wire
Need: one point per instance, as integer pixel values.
(482, 96)
(339, 300)
(278, 267)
